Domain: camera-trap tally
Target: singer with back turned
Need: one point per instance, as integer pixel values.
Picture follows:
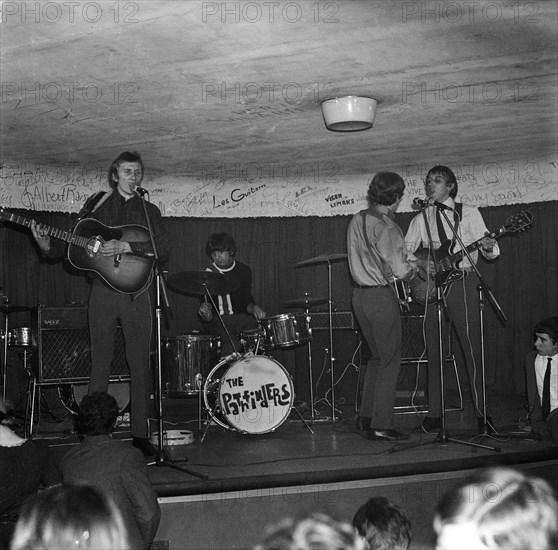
(121, 206)
(430, 228)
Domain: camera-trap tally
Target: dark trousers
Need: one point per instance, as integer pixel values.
(463, 308)
(377, 311)
(107, 308)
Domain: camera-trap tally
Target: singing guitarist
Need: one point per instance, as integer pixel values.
(461, 295)
(108, 308)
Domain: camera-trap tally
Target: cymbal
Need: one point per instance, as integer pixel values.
(196, 282)
(322, 259)
(6, 310)
(306, 302)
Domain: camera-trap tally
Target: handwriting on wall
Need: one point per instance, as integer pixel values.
(40, 187)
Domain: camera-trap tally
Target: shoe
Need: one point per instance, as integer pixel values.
(490, 429)
(362, 423)
(387, 435)
(431, 423)
(144, 445)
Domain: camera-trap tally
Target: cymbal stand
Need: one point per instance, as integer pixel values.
(161, 458)
(443, 436)
(310, 374)
(331, 353)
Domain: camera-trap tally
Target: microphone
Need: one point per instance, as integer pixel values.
(425, 203)
(140, 191)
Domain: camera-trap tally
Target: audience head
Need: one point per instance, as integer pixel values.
(386, 188)
(69, 517)
(383, 525)
(316, 532)
(97, 414)
(498, 508)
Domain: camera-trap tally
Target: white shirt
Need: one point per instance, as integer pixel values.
(471, 229)
(541, 361)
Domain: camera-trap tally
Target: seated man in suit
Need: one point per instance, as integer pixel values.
(116, 468)
(541, 371)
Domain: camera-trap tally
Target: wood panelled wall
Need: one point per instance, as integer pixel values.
(523, 280)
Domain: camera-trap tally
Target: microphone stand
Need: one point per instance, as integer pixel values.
(161, 458)
(443, 436)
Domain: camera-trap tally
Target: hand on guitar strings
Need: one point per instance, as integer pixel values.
(41, 236)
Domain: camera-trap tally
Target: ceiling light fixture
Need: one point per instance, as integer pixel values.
(350, 113)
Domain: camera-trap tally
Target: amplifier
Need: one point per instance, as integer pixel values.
(340, 320)
(64, 353)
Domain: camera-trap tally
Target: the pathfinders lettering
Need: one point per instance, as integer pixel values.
(240, 401)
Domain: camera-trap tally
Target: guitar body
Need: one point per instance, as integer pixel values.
(423, 286)
(128, 273)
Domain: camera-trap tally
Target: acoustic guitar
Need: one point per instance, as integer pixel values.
(125, 273)
(422, 287)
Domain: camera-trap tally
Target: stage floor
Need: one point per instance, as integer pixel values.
(315, 451)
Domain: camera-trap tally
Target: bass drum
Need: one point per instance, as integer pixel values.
(252, 396)
(72, 394)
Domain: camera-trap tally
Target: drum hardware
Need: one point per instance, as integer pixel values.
(161, 458)
(250, 395)
(305, 302)
(328, 259)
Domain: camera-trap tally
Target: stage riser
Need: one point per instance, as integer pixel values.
(238, 520)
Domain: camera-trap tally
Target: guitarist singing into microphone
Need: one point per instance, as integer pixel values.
(126, 249)
(461, 295)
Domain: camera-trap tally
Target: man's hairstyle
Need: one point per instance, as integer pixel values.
(448, 175)
(385, 188)
(548, 326)
(220, 242)
(504, 508)
(70, 516)
(316, 532)
(127, 156)
(97, 414)
(383, 525)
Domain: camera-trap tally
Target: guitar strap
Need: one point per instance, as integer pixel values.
(92, 203)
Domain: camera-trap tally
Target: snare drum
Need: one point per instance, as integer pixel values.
(186, 360)
(252, 396)
(251, 341)
(22, 337)
(283, 331)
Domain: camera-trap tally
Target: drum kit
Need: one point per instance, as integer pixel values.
(247, 392)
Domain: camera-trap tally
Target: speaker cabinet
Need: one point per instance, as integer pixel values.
(64, 353)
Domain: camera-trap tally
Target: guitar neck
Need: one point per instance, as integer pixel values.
(472, 247)
(67, 236)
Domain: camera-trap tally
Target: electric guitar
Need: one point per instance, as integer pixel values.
(423, 288)
(125, 273)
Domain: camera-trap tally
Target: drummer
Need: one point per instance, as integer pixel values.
(238, 309)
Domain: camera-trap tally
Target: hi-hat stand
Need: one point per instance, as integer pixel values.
(443, 436)
(161, 458)
(328, 259)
